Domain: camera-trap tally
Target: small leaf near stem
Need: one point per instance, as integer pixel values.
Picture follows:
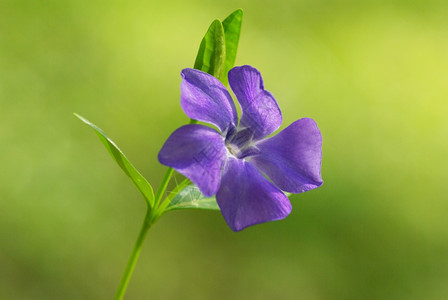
(190, 197)
(167, 201)
(140, 182)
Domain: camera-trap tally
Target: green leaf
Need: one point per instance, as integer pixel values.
(191, 198)
(140, 182)
(232, 30)
(211, 55)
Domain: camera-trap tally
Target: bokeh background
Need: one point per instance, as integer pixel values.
(373, 74)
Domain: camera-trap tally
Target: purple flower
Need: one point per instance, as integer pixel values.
(234, 163)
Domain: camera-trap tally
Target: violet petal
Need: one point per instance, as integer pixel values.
(197, 152)
(247, 198)
(204, 98)
(260, 111)
(292, 158)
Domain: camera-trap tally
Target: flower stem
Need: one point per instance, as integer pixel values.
(150, 218)
(152, 215)
(134, 257)
(162, 187)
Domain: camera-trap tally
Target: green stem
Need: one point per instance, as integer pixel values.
(162, 187)
(134, 257)
(152, 215)
(149, 220)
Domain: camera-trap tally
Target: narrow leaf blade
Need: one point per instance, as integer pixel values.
(140, 182)
(232, 30)
(191, 197)
(211, 55)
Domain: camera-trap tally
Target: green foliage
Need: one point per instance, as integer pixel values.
(212, 51)
(140, 182)
(191, 198)
(217, 52)
(232, 30)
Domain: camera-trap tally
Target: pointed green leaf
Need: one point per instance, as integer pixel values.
(212, 51)
(232, 30)
(191, 198)
(140, 182)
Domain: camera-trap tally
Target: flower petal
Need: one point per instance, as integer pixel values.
(197, 152)
(260, 111)
(204, 98)
(247, 198)
(292, 158)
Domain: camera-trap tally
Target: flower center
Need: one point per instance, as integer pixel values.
(233, 149)
(240, 143)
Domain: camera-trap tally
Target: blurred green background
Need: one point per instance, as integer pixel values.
(373, 74)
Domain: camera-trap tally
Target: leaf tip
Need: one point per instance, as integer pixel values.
(237, 13)
(84, 120)
(80, 117)
(218, 23)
